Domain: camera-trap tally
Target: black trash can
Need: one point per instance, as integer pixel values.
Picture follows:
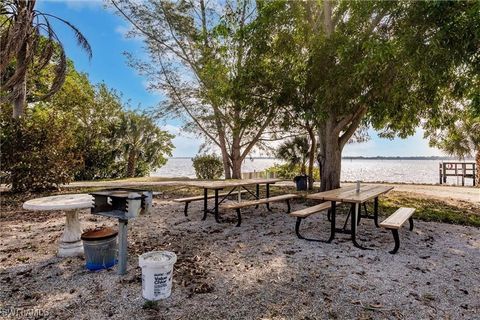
(301, 182)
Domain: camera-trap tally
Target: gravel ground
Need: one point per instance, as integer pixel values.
(257, 271)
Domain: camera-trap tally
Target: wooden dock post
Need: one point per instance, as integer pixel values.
(458, 170)
(440, 171)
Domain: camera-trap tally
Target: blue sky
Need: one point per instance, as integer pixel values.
(105, 32)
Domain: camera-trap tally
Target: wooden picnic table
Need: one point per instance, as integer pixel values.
(217, 185)
(350, 195)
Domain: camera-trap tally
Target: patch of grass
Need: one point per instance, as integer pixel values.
(429, 209)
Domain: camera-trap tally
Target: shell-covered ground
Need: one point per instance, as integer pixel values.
(259, 270)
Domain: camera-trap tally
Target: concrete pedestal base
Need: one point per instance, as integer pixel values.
(70, 243)
(72, 249)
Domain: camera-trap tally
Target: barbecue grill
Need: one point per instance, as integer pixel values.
(122, 204)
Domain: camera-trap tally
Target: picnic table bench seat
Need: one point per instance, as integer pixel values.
(306, 212)
(187, 200)
(395, 221)
(243, 204)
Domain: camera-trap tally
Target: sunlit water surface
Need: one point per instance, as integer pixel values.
(404, 171)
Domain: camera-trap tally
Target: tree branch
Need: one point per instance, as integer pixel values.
(355, 122)
(177, 95)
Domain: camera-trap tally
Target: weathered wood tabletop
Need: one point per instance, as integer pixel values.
(350, 195)
(221, 184)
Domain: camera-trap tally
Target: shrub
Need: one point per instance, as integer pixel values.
(208, 166)
(38, 150)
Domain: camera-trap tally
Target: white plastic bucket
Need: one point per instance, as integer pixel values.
(157, 274)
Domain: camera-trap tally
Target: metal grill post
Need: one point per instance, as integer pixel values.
(122, 246)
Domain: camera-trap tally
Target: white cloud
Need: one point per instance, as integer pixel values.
(122, 30)
(415, 145)
(83, 4)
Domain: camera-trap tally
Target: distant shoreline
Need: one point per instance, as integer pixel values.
(367, 158)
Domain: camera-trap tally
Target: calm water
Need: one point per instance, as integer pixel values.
(407, 171)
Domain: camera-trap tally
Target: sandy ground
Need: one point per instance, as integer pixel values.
(257, 271)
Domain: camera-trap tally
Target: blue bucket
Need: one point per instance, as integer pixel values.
(100, 248)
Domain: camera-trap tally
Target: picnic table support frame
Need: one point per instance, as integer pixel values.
(397, 241)
(217, 219)
(185, 211)
(354, 222)
(268, 196)
(332, 221)
(297, 232)
(235, 187)
(205, 203)
(239, 218)
(396, 237)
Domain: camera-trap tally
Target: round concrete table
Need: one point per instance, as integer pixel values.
(70, 242)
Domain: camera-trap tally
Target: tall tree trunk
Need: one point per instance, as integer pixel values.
(237, 168)
(330, 156)
(18, 111)
(132, 159)
(311, 156)
(16, 153)
(237, 159)
(20, 100)
(226, 162)
(477, 161)
(331, 167)
(21, 88)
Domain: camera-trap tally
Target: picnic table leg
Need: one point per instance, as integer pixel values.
(185, 211)
(360, 213)
(352, 208)
(239, 218)
(396, 238)
(216, 206)
(268, 196)
(354, 226)
(257, 193)
(205, 203)
(332, 222)
(375, 212)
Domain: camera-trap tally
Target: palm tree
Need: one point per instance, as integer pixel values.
(461, 139)
(295, 151)
(142, 144)
(28, 42)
